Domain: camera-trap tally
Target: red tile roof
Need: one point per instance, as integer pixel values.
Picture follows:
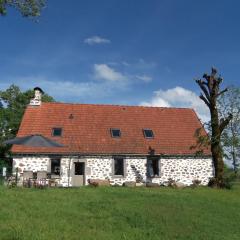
(89, 130)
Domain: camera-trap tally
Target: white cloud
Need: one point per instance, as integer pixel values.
(96, 40)
(144, 78)
(126, 64)
(65, 90)
(179, 97)
(104, 72)
(140, 64)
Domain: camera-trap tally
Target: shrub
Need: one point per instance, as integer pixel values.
(171, 183)
(227, 182)
(195, 183)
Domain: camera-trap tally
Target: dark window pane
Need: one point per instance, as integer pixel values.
(118, 166)
(153, 167)
(57, 132)
(79, 168)
(148, 133)
(55, 166)
(116, 132)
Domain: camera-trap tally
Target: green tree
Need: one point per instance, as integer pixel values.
(28, 8)
(229, 102)
(210, 86)
(13, 103)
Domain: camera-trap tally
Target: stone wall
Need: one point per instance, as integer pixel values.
(183, 170)
(102, 169)
(29, 163)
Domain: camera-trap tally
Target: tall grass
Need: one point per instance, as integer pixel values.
(119, 213)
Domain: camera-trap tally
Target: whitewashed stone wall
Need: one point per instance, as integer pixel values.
(64, 173)
(183, 170)
(30, 163)
(180, 170)
(102, 169)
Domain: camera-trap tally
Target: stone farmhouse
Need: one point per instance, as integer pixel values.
(118, 143)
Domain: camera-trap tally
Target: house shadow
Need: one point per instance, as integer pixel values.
(138, 175)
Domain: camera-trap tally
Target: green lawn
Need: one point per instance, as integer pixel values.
(119, 213)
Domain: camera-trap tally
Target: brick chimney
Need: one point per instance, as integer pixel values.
(37, 100)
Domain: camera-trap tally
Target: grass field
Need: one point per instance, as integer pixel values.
(119, 213)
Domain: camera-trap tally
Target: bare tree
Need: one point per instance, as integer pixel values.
(229, 102)
(210, 86)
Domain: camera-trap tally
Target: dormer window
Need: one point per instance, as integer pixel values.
(57, 132)
(115, 132)
(148, 133)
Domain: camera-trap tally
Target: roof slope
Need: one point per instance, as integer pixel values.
(89, 130)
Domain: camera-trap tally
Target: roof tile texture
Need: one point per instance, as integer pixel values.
(89, 130)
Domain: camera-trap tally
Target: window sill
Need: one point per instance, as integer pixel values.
(118, 176)
(55, 176)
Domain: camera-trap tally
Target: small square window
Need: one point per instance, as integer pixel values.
(116, 133)
(57, 132)
(148, 133)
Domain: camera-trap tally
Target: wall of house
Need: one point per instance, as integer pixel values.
(183, 170)
(29, 163)
(102, 168)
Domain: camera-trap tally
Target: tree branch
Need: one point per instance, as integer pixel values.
(214, 72)
(225, 122)
(223, 91)
(203, 85)
(205, 100)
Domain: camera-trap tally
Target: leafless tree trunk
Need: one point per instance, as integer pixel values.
(210, 85)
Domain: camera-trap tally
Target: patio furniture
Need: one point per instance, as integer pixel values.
(53, 182)
(41, 178)
(27, 178)
(35, 140)
(11, 181)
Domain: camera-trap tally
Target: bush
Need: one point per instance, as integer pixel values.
(171, 183)
(226, 183)
(195, 183)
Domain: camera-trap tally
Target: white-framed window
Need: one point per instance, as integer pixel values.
(148, 133)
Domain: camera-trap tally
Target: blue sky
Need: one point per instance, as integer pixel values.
(134, 52)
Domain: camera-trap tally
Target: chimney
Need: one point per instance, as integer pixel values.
(37, 100)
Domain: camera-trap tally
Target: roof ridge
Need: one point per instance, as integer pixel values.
(116, 105)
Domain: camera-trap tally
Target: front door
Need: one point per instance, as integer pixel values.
(78, 174)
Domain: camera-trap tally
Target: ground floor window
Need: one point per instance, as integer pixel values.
(118, 168)
(55, 166)
(79, 168)
(153, 167)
